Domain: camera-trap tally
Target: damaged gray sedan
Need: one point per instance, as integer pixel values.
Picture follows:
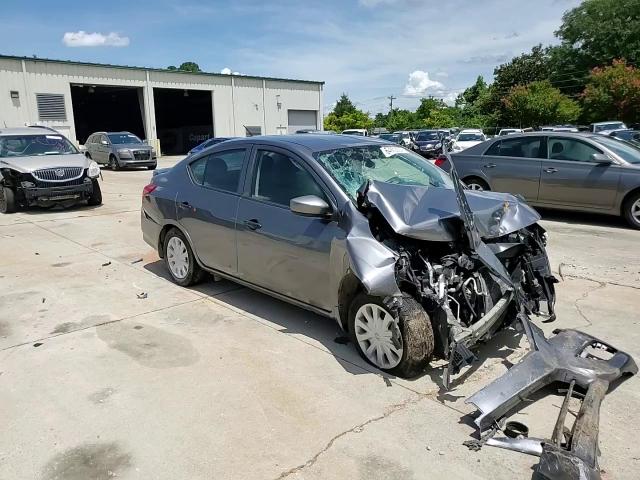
(368, 233)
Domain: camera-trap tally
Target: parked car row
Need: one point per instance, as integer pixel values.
(586, 172)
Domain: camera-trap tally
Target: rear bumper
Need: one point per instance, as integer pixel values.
(37, 195)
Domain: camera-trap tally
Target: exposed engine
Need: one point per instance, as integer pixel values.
(465, 301)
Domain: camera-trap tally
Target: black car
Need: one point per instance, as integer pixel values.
(429, 143)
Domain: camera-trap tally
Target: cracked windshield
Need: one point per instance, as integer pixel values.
(352, 167)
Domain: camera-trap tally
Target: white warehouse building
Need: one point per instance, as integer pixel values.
(172, 110)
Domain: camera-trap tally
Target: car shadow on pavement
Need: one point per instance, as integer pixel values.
(581, 218)
(315, 330)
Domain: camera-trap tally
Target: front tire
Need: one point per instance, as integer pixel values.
(113, 163)
(402, 345)
(96, 194)
(631, 210)
(179, 259)
(7, 200)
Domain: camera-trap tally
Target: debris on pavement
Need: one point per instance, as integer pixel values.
(106, 264)
(142, 295)
(136, 261)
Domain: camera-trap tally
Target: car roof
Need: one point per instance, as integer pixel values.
(471, 130)
(27, 131)
(607, 122)
(310, 141)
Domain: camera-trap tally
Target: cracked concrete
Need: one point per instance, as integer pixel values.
(221, 382)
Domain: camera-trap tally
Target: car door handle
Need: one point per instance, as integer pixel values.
(551, 170)
(490, 165)
(184, 205)
(252, 224)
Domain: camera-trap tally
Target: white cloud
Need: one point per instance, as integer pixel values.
(419, 84)
(228, 71)
(442, 74)
(95, 39)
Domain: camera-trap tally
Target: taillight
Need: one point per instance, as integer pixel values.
(440, 159)
(148, 189)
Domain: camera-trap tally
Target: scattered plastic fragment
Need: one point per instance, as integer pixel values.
(142, 295)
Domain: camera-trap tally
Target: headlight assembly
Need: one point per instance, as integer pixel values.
(94, 170)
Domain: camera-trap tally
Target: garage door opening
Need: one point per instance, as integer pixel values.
(184, 118)
(302, 120)
(110, 109)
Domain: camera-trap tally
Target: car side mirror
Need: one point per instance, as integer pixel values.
(601, 159)
(104, 142)
(310, 206)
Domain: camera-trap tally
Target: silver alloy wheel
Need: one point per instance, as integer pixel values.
(635, 210)
(475, 186)
(177, 257)
(378, 335)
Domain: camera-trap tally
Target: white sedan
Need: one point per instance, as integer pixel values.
(466, 139)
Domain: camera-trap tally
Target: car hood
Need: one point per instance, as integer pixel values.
(433, 214)
(38, 162)
(132, 146)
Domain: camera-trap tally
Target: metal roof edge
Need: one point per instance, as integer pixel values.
(151, 69)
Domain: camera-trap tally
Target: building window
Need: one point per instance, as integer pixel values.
(253, 131)
(51, 106)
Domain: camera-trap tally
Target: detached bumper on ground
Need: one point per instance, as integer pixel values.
(570, 357)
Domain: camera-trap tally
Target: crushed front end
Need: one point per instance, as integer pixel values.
(50, 186)
(466, 301)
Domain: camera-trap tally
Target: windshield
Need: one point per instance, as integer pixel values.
(122, 138)
(426, 136)
(28, 145)
(629, 152)
(390, 137)
(609, 126)
(470, 137)
(352, 167)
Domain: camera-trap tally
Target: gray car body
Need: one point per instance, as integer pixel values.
(102, 152)
(551, 183)
(304, 260)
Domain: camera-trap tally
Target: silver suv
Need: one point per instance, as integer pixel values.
(120, 150)
(38, 166)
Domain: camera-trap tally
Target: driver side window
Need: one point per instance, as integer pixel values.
(278, 179)
(570, 149)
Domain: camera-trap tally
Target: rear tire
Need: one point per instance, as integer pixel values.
(7, 200)
(179, 259)
(631, 210)
(96, 194)
(475, 183)
(113, 163)
(412, 324)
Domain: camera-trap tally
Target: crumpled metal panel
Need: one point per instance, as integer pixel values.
(429, 213)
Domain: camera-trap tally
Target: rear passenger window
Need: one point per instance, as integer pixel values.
(522, 147)
(220, 170)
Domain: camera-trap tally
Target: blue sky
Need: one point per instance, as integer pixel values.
(369, 49)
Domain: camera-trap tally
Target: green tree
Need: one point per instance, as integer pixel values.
(189, 67)
(603, 30)
(613, 93)
(470, 96)
(441, 118)
(172, 67)
(400, 119)
(537, 104)
(356, 119)
(344, 106)
(428, 105)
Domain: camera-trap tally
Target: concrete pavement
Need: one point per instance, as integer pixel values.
(222, 382)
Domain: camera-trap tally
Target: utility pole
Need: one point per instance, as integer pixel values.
(391, 99)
